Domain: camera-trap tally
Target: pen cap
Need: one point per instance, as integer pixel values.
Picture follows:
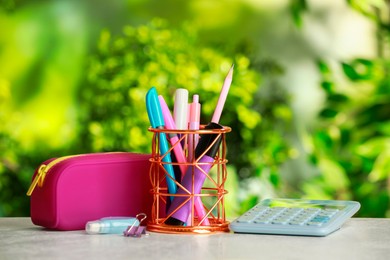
(194, 109)
(154, 109)
(180, 109)
(207, 139)
(95, 227)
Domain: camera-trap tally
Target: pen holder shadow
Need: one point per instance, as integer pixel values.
(188, 180)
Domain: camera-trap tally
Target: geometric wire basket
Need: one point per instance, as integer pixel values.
(206, 209)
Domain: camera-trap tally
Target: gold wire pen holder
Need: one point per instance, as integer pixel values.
(211, 196)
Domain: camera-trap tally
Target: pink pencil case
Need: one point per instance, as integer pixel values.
(69, 191)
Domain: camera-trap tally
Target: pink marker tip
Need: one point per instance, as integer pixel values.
(195, 98)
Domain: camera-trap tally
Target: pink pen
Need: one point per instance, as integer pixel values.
(178, 150)
(194, 117)
(222, 96)
(173, 138)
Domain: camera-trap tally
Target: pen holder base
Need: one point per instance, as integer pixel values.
(215, 226)
(197, 206)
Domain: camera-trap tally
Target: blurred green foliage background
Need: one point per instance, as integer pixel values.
(309, 104)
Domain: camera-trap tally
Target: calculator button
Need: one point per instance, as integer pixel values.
(320, 219)
(296, 222)
(250, 214)
(245, 218)
(328, 213)
(302, 216)
(261, 221)
(259, 209)
(282, 218)
(314, 223)
(311, 211)
(293, 210)
(279, 221)
(277, 209)
(269, 215)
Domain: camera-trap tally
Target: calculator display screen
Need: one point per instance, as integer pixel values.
(303, 204)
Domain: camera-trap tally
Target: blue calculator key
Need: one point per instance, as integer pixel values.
(321, 219)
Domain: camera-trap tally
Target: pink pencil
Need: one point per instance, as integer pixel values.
(222, 96)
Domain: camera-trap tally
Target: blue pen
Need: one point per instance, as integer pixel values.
(157, 121)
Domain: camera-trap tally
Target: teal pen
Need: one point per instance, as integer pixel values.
(157, 121)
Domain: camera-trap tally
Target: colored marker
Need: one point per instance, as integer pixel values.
(180, 109)
(194, 119)
(207, 147)
(173, 138)
(195, 176)
(157, 121)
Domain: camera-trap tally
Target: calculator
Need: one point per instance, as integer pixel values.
(295, 217)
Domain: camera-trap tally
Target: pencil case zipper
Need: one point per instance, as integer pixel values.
(44, 168)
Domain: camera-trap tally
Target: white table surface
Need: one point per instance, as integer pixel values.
(359, 238)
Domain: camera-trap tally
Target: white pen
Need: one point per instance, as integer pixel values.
(180, 109)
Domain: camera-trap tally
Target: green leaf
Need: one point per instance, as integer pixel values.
(367, 7)
(381, 168)
(297, 7)
(358, 69)
(323, 67)
(373, 147)
(334, 175)
(338, 98)
(328, 113)
(349, 71)
(323, 140)
(328, 87)
(251, 201)
(314, 190)
(274, 178)
(232, 186)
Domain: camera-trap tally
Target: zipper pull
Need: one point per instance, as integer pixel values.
(38, 180)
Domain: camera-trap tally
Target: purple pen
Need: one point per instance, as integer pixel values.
(195, 176)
